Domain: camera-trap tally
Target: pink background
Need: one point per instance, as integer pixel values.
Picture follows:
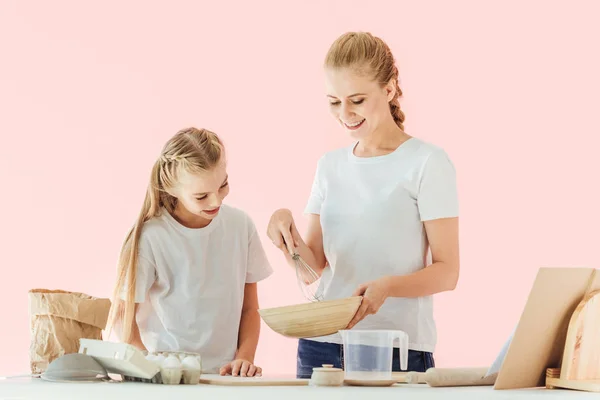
(89, 94)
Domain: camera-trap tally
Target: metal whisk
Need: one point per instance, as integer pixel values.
(302, 268)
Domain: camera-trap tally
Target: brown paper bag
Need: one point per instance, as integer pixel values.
(58, 319)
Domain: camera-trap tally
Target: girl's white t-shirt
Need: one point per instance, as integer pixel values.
(190, 284)
(372, 211)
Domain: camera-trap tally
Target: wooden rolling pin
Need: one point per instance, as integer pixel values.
(445, 377)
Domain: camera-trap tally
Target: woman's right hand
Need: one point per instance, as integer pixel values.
(282, 231)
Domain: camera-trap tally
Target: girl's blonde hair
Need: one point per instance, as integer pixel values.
(192, 150)
(367, 54)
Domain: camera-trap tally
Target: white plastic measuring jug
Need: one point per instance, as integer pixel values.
(368, 354)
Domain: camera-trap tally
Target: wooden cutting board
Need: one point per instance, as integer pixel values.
(210, 379)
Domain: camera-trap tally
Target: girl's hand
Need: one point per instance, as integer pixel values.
(374, 294)
(282, 231)
(240, 367)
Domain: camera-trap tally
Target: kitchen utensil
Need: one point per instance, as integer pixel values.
(75, 367)
(368, 354)
(447, 377)
(308, 280)
(312, 319)
(327, 375)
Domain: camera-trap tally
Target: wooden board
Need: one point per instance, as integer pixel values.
(539, 338)
(581, 356)
(586, 386)
(209, 379)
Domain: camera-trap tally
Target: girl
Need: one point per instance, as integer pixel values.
(189, 268)
(375, 210)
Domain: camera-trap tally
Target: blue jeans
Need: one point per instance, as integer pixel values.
(313, 354)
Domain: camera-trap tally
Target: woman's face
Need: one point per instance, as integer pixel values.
(357, 101)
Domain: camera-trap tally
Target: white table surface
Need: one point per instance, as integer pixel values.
(36, 388)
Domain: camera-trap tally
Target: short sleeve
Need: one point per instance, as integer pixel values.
(438, 195)
(145, 277)
(315, 200)
(258, 267)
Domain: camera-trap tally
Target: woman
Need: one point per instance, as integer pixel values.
(383, 213)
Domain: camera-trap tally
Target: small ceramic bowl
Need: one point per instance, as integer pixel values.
(327, 376)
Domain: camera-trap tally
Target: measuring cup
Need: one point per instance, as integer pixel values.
(368, 354)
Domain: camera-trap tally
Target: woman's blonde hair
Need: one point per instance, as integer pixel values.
(192, 150)
(367, 54)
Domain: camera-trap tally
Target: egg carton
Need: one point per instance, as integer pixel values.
(135, 365)
(176, 367)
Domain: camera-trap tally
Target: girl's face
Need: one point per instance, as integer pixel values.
(357, 101)
(202, 194)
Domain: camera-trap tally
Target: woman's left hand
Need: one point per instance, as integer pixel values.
(240, 367)
(374, 294)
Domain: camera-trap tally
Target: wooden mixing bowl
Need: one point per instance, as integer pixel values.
(311, 319)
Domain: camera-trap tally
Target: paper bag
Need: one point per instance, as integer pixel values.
(58, 319)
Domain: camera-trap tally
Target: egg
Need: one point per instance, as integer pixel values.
(191, 370)
(190, 362)
(171, 361)
(171, 370)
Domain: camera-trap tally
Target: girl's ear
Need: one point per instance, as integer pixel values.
(173, 192)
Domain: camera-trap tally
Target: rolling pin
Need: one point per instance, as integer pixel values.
(445, 377)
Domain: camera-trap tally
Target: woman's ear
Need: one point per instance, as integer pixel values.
(390, 90)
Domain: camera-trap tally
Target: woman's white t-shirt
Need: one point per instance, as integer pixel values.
(372, 211)
(190, 284)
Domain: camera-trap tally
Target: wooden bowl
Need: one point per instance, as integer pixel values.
(311, 319)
